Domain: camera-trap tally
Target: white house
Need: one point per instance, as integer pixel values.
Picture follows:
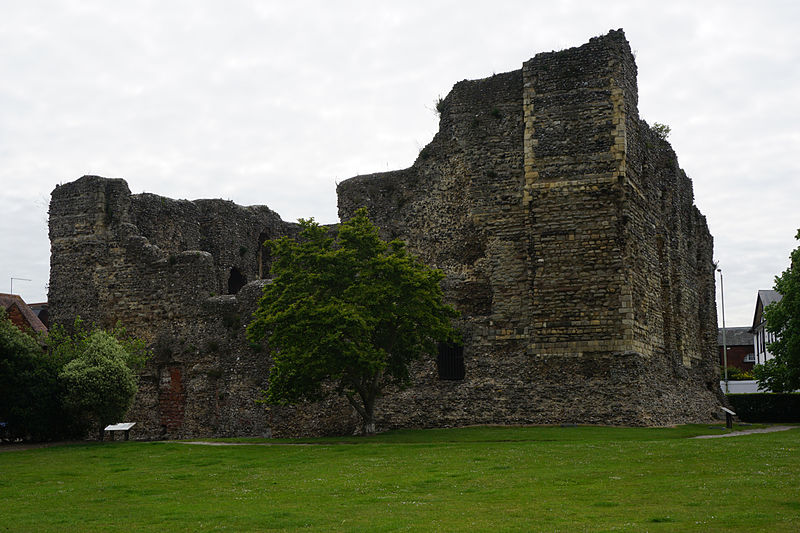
(761, 337)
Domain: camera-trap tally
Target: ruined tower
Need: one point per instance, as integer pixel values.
(564, 225)
(571, 245)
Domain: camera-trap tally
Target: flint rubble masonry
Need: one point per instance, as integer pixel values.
(564, 225)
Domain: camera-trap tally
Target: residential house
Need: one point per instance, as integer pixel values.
(42, 311)
(739, 342)
(761, 337)
(20, 314)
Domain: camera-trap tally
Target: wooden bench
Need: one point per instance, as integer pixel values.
(122, 426)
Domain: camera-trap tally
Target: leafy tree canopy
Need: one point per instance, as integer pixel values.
(98, 383)
(351, 311)
(29, 390)
(782, 374)
(65, 344)
(53, 385)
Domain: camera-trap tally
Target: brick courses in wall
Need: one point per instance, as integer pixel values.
(566, 230)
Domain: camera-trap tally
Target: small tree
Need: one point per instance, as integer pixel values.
(662, 130)
(782, 373)
(353, 312)
(99, 385)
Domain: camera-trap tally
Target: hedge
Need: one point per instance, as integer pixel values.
(766, 407)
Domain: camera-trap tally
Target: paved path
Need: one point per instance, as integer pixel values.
(210, 443)
(770, 429)
(30, 446)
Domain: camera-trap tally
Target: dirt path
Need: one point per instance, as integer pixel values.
(770, 429)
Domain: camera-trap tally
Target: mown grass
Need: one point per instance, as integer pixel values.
(470, 479)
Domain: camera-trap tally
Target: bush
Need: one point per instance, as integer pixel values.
(99, 385)
(83, 376)
(30, 395)
(735, 374)
(661, 130)
(766, 407)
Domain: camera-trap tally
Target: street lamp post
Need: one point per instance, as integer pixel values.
(724, 344)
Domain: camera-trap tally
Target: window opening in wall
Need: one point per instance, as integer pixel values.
(235, 281)
(450, 361)
(750, 358)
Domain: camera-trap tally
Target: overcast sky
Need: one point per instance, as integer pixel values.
(274, 102)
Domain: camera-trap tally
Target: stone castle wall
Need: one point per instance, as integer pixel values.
(571, 245)
(566, 230)
(163, 268)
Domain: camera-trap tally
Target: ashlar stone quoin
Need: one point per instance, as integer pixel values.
(565, 227)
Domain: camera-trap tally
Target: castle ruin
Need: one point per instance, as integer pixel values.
(565, 227)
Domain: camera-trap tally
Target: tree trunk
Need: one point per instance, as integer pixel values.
(101, 433)
(366, 407)
(369, 415)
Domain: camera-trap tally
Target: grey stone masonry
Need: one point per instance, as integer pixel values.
(581, 269)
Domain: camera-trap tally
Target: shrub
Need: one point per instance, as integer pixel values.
(439, 105)
(766, 407)
(99, 385)
(735, 374)
(29, 390)
(662, 130)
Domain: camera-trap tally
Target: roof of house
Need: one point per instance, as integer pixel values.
(764, 298)
(738, 336)
(8, 301)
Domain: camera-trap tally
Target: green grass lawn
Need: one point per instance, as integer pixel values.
(470, 479)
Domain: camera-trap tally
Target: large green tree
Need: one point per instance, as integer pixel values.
(347, 315)
(782, 373)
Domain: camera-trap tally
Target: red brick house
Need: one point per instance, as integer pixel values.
(740, 347)
(20, 314)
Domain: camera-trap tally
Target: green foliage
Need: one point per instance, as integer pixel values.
(65, 344)
(782, 373)
(766, 407)
(99, 385)
(46, 387)
(439, 105)
(352, 312)
(29, 391)
(662, 130)
(735, 374)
